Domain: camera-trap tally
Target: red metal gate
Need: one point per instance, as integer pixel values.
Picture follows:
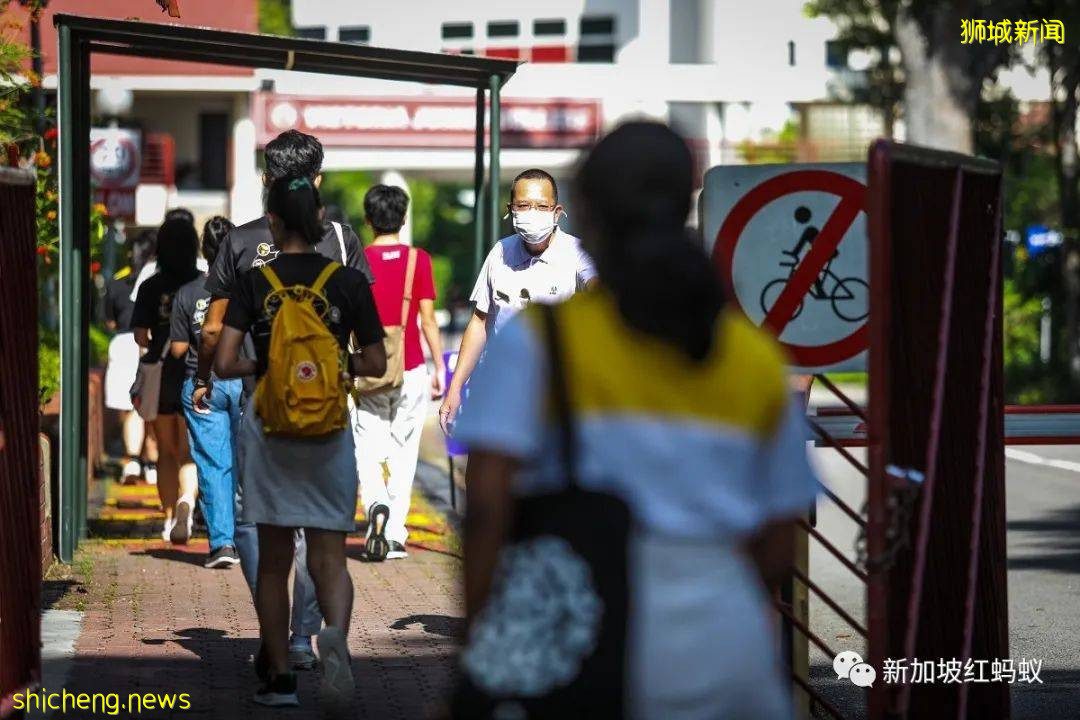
(20, 505)
(936, 538)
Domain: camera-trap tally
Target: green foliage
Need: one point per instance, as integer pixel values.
(440, 224)
(275, 17)
(782, 148)
(48, 366)
(1024, 372)
(442, 272)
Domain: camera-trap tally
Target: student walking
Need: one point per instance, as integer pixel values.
(124, 362)
(538, 263)
(162, 375)
(389, 416)
(250, 246)
(635, 452)
(296, 453)
(211, 435)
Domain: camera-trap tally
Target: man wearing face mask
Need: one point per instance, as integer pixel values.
(538, 263)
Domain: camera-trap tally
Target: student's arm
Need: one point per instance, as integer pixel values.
(430, 329)
(369, 362)
(208, 344)
(227, 363)
(178, 348)
(487, 522)
(472, 345)
(142, 336)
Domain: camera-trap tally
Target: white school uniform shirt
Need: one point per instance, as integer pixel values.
(551, 277)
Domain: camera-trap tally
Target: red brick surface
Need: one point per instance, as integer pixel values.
(157, 621)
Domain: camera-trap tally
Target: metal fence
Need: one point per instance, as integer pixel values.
(20, 504)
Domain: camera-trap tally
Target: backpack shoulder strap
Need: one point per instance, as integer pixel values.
(320, 282)
(272, 278)
(406, 298)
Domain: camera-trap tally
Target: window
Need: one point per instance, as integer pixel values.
(508, 28)
(596, 53)
(791, 53)
(597, 25)
(311, 33)
(549, 27)
(836, 55)
(456, 31)
(355, 34)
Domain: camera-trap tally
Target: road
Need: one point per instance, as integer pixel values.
(1043, 519)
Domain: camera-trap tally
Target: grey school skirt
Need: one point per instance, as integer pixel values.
(296, 482)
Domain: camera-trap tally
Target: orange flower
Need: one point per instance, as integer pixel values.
(42, 159)
(100, 209)
(51, 215)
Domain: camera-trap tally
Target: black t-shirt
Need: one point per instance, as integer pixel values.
(352, 306)
(118, 305)
(153, 310)
(188, 314)
(251, 245)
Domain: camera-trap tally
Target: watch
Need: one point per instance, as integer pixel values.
(199, 382)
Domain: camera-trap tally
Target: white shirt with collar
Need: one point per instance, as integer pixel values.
(511, 277)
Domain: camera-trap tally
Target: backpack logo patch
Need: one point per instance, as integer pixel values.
(306, 371)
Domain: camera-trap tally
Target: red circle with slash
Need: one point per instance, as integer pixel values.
(852, 194)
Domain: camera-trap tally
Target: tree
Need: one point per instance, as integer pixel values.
(940, 79)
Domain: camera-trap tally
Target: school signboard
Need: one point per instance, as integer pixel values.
(790, 242)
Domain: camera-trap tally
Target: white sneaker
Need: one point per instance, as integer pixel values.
(150, 474)
(337, 688)
(131, 473)
(181, 530)
(167, 532)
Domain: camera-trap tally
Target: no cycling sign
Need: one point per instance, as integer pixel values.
(790, 241)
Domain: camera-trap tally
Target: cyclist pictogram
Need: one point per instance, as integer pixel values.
(849, 296)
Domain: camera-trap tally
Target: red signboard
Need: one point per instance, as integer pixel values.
(443, 122)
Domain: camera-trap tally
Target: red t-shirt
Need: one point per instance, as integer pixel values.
(388, 264)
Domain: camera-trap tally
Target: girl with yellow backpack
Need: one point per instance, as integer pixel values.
(295, 453)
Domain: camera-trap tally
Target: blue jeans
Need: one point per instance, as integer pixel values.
(212, 439)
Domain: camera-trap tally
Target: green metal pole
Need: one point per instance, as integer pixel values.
(73, 116)
(478, 186)
(493, 165)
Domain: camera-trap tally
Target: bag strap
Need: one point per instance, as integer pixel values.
(406, 298)
(272, 278)
(320, 282)
(341, 241)
(559, 394)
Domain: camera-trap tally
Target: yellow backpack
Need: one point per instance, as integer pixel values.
(302, 393)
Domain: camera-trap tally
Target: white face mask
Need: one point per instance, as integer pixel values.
(534, 226)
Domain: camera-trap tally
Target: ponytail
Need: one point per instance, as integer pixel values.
(296, 202)
(635, 186)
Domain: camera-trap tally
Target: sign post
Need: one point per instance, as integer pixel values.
(790, 242)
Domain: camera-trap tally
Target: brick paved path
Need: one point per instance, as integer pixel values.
(157, 621)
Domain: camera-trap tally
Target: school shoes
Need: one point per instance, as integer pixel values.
(376, 546)
(181, 530)
(131, 473)
(278, 691)
(224, 557)
(337, 687)
(397, 551)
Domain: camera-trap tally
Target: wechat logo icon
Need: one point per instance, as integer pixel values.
(850, 665)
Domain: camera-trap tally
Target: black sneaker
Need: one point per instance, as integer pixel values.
(375, 545)
(397, 551)
(224, 557)
(278, 692)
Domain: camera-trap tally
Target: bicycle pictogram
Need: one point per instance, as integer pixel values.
(848, 296)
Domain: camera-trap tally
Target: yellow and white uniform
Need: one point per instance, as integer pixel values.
(704, 454)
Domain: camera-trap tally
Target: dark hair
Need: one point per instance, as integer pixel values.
(181, 214)
(635, 188)
(143, 249)
(178, 250)
(293, 154)
(215, 231)
(535, 174)
(296, 202)
(385, 207)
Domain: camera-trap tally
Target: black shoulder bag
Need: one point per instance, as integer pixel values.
(551, 639)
